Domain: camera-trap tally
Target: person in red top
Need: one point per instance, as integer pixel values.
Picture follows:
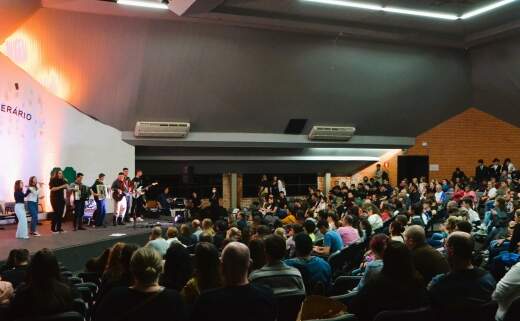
(385, 213)
(469, 193)
(458, 193)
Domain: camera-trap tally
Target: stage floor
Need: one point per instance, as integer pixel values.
(66, 243)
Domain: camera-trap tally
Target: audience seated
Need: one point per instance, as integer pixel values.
(315, 271)
(427, 260)
(238, 300)
(281, 278)
(464, 286)
(375, 264)
(145, 299)
(177, 267)
(157, 242)
(207, 272)
(17, 274)
(44, 292)
(186, 237)
(348, 233)
(397, 287)
(172, 235)
(332, 241)
(98, 264)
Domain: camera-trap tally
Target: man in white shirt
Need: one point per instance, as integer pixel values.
(507, 290)
(473, 216)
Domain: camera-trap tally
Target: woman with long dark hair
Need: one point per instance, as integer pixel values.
(44, 292)
(397, 287)
(177, 267)
(57, 185)
(32, 203)
(207, 272)
(19, 209)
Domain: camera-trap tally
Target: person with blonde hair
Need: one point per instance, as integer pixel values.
(207, 227)
(145, 299)
(172, 234)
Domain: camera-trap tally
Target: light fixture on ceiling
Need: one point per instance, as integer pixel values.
(413, 12)
(484, 9)
(144, 4)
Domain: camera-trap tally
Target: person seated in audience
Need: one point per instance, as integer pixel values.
(44, 292)
(292, 230)
(117, 272)
(464, 226)
(172, 234)
(514, 244)
(437, 239)
(177, 267)
(145, 299)
(205, 237)
(207, 227)
(375, 264)
(498, 220)
(310, 228)
(238, 300)
(196, 229)
(186, 237)
(314, 270)
(9, 262)
(98, 264)
(206, 275)
(157, 242)
(472, 215)
(372, 213)
(17, 275)
(507, 290)
(396, 230)
(427, 260)
(257, 253)
(332, 242)
(464, 286)
(220, 233)
(397, 287)
(348, 233)
(281, 278)
(241, 220)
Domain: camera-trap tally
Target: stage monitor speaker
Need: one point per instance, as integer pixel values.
(412, 166)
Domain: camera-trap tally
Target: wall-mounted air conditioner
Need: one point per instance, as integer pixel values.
(161, 129)
(331, 133)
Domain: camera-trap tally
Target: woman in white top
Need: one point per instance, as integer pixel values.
(507, 290)
(32, 203)
(281, 187)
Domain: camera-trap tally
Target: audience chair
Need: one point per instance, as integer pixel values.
(66, 274)
(81, 307)
(513, 313)
(346, 298)
(65, 316)
(347, 259)
(86, 294)
(289, 306)
(343, 284)
(422, 314)
(92, 287)
(90, 277)
(73, 280)
(343, 317)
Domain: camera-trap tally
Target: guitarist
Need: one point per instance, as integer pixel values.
(138, 201)
(119, 188)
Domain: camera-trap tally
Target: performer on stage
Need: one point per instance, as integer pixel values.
(128, 194)
(19, 209)
(81, 195)
(57, 185)
(119, 188)
(32, 203)
(99, 192)
(138, 192)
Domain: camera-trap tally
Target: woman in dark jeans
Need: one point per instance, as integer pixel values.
(145, 299)
(44, 292)
(57, 184)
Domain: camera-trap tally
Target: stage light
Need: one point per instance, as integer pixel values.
(144, 4)
(413, 12)
(377, 7)
(485, 9)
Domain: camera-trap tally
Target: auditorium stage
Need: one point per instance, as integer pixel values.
(75, 248)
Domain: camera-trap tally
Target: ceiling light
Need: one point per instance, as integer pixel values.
(485, 9)
(413, 12)
(376, 7)
(144, 4)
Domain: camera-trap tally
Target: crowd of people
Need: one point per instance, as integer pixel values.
(450, 245)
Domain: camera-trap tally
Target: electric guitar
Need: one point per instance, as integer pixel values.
(118, 195)
(141, 190)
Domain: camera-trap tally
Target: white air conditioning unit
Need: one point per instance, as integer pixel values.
(161, 129)
(331, 133)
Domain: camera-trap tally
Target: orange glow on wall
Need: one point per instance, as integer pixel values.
(26, 53)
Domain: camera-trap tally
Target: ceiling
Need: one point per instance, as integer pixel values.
(250, 66)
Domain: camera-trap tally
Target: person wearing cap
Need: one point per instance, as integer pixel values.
(99, 192)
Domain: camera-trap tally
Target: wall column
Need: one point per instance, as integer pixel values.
(234, 190)
(326, 182)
